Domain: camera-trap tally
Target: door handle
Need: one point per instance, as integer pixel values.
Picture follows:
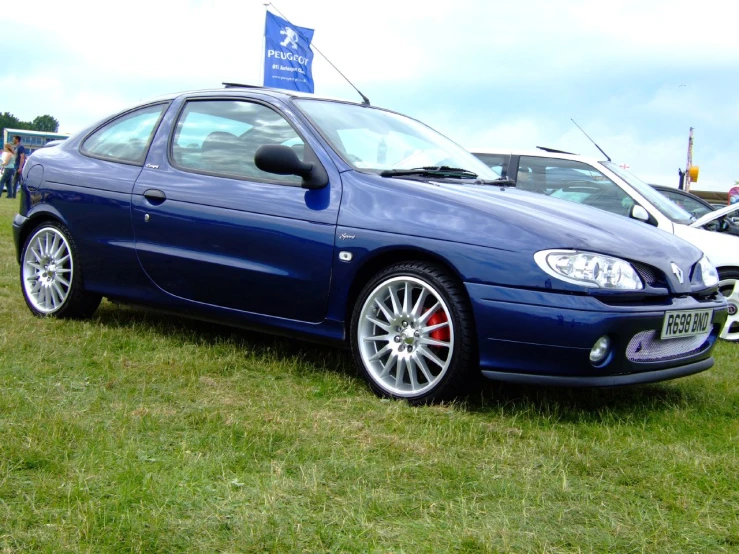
(155, 196)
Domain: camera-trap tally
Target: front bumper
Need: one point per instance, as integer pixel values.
(545, 337)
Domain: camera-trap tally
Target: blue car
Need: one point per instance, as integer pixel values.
(346, 223)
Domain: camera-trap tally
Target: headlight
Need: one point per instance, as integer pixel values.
(706, 273)
(589, 270)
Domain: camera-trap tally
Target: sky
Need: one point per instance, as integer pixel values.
(636, 75)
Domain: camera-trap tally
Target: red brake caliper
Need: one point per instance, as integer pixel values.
(442, 333)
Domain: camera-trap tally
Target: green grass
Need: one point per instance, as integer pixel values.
(137, 432)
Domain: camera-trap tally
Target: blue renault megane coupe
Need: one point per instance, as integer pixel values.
(343, 222)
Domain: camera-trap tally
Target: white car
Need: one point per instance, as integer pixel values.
(605, 185)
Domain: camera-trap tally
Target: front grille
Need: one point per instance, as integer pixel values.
(652, 277)
(648, 347)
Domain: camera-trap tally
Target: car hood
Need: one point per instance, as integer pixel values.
(721, 248)
(712, 216)
(578, 226)
(505, 219)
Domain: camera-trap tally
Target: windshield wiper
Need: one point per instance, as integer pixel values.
(501, 182)
(431, 171)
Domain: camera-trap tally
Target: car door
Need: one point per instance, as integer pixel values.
(212, 228)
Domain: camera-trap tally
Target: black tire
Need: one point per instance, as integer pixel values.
(52, 284)
(729, 278)
(433, 382)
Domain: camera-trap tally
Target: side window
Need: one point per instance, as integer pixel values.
(126, 138)
(222, 136)
(694, 208)
(573, 181)
(497, 162)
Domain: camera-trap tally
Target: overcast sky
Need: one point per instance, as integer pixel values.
(636, 75)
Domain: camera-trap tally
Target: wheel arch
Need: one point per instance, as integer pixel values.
(380, 260)
(728, 268)
(33, 220)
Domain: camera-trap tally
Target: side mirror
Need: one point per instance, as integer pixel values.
(638, 212)
(282, 160)
(719, 226)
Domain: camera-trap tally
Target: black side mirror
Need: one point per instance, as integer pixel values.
(282, 160)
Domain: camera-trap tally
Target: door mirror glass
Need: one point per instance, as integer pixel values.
(638, 212)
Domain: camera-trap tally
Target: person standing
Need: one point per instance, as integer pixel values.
(7, 169)
(20, 160)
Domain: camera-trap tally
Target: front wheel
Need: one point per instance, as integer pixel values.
(729, 287)
(412, 334)
(51, 278)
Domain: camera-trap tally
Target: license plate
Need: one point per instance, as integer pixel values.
(686, 323)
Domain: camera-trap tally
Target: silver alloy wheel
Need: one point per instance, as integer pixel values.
(730, 289)
(47, 270)
(396, 341)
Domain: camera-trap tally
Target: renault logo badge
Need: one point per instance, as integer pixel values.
(678, 272)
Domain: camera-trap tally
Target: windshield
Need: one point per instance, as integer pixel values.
(656, 198)
(374, 140)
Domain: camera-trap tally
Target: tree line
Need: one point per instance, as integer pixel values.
(45, 123)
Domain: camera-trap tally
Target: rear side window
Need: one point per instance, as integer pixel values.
(125, 139)
(221, 137)
(573, 181)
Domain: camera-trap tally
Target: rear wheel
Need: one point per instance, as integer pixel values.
(729, 287)
(412, 334)
(51, 278)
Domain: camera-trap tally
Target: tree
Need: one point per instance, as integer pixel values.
(9, 121)
(45, 123)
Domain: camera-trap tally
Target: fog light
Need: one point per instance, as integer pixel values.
(600, 349)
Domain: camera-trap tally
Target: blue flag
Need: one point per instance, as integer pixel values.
(287, 55)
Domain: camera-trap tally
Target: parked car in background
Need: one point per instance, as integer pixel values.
(56, 142)
(347, 223)
(697, 207)
(605, 185)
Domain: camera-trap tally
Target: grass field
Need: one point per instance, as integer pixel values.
(137, 432)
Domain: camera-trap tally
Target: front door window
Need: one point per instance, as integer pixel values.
(220, 137)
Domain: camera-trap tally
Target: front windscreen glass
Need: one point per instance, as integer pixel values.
(656, 198)
(375, 140)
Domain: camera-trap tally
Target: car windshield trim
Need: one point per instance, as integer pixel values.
(660, 202)
(382, 142)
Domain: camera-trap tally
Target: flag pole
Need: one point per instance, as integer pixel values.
(365, 100)
(260, 73)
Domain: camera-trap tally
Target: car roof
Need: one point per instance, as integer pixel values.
(238, 87)
(681, 192)
(677, 190)
(537, 153)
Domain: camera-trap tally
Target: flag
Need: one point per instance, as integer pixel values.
(287, 55)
